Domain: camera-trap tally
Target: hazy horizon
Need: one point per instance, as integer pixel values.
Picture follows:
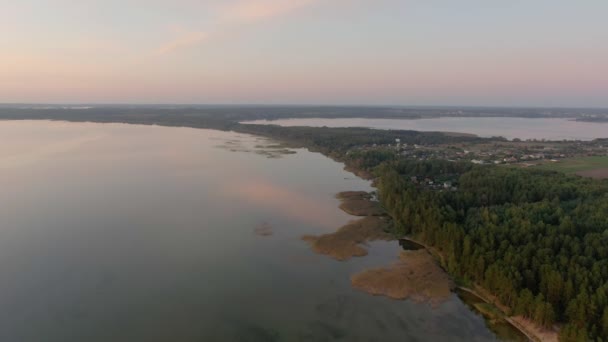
(305, 52)
(75, 105)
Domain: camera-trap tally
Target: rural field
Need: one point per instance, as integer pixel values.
(596, 167)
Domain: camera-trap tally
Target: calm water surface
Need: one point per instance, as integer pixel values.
(510, 128)
(139, 233)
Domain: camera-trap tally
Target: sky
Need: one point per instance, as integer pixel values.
(550, 53)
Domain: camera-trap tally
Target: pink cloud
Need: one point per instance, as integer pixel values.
(248, 11)
(184, 40)
(232, 16)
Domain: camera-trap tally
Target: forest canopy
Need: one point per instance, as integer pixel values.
(537, 240)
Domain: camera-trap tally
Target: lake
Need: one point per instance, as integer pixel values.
(113, 232)
(510, 128)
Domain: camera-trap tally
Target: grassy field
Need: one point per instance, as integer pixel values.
(575, 165)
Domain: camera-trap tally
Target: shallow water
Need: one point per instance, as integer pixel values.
(112, 232)
(502, 328)
(510, 128)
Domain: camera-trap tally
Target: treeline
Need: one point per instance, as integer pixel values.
(255, 112)
(330, 141)
(536, 240)
(340, 139)
(360, 149)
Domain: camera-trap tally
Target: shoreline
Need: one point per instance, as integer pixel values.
(512, 321)
(399, 280)
(536, 336)
(212, 128)
(415, 275)
(364, 281)
(348, 241)
(528, 334)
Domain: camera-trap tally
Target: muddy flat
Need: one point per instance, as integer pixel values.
(416, 275)
(263, 229)
(360, 203)
(347, 241)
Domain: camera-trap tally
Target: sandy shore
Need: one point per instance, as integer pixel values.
(532, 330)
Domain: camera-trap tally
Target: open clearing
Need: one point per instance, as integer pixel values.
(596, 167)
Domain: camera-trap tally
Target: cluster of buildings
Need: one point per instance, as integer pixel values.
(524, 153)
(447, 182)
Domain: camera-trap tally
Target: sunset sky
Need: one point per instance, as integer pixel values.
(378, 52)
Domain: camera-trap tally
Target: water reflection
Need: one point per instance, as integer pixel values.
(410, 245)
(144, 233)
(266, 195)
(510, 128)
(262, 147)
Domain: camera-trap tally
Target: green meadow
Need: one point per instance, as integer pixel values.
(574, 165)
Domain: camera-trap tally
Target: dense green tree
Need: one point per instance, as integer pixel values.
(537, 240)
(605, 322)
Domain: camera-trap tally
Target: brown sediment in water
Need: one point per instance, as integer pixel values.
(346, 242)
(416, 275)
(272, 151)
(263, 229)
(345, 195)
(272, 146)
(359, 173)
(359, 203)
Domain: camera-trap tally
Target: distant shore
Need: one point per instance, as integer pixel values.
(291, 137)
